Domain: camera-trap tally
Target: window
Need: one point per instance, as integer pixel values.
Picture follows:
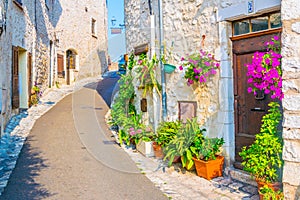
(93, 27)
(254, 24)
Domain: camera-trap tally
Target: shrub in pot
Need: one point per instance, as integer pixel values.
(208, 162)
(262, 159)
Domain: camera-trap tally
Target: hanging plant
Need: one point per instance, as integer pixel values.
(264, 73)
(200, 66)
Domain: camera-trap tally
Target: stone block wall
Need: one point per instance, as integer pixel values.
(291, 75)
(188, 27)
(73, 23)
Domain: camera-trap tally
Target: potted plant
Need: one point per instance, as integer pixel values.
(165, 133)
(199, 66)
(207, 158)
(144, 145)
(145, 70)
(263, 158)
(183, 144)
(267, 193)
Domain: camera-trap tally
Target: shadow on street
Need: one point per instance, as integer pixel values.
(28, 166)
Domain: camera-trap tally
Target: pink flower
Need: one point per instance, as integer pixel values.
(180, 67)
(182, 59)
(249, 89)
(276, 37)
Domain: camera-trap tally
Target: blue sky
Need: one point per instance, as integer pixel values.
(116, 9)
(116, 43)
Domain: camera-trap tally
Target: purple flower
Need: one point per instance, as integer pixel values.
(207, 63)
(249, 89)
(276, 37)
(196, 71)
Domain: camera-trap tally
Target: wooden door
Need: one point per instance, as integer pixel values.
(60, 66)
(29, 75)
(249, 109)
(15, 78)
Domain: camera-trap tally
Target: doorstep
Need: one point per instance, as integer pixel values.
(241, 176)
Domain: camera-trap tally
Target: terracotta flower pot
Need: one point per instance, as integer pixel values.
(158, 151)
(209, 169)
(274, 186)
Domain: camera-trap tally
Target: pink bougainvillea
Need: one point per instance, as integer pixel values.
(264, 73)
(200, 66)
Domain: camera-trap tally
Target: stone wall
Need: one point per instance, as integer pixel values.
(33, 25)
(188, 27)
(291, 75)
(72, 23)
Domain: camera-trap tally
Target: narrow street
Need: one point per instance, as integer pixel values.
(69, 154)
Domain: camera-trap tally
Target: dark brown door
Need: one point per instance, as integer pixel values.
(249, 109)
(15, 78)
(29, 72)
(60, 66)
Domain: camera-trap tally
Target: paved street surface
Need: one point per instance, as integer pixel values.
(69, 155)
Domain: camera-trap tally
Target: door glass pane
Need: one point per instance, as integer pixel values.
(241, 27)
(275, 20)
(259, 24)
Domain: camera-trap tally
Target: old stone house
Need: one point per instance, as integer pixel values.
(46, 43)
(232, 30)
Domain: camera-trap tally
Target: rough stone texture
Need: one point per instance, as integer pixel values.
(291, 173)
(293, 134)
(291, 125)
(291, 151)
(32, 26)
(291, 192)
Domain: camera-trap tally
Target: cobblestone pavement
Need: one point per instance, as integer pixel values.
(20, 125)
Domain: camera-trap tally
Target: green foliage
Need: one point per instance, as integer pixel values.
(268, 193)
(263, 158)
(209, 148)
(120, 108)
(166, 132)
(131, 61)
(182, 144)
(146, 73)
(35, 95)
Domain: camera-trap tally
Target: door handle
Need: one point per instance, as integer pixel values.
(258, 109)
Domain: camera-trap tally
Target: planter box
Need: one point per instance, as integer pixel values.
(209, 169)
(145, 148)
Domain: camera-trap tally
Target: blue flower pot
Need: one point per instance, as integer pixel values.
(169, 68)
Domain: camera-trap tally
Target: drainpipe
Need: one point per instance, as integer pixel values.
(163, 81)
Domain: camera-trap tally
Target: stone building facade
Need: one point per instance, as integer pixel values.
(232, 30)
(291, 75)
(46, 43)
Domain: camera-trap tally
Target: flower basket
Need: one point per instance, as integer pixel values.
(209, 169)
(169, 68)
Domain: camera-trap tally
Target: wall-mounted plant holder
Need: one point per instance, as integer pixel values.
(169, 68)
(144, 105)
